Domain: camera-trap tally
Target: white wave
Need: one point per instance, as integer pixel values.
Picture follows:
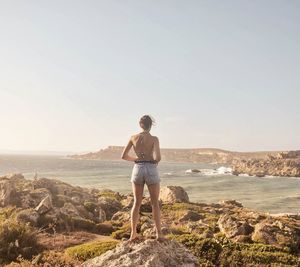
(244, 175)
(224, 170)
(193, 171)
(168, 173)
(210, 172)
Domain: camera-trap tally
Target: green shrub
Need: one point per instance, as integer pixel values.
(223, 252)
(90, 250)
(17, 239)
(47, 259)
(110, 194)
(7, 212)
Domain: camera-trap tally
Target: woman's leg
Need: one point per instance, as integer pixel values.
(154, 195)
(138, 196)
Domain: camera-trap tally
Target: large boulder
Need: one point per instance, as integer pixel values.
(150, 253)
(30, 198)
(30, 216)
(45, 205)
(233, 227)
(172, 194)
(278, 233)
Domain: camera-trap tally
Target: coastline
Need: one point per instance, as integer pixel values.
(91, 213)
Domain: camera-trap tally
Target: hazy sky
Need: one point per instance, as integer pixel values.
(78, 75)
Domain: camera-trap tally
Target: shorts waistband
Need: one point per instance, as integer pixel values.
(145, 161)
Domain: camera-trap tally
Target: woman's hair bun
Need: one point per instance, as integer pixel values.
(146, 122)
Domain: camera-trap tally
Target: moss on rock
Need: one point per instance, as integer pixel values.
(123, 232)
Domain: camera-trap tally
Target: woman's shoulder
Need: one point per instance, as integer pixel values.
(134, 136)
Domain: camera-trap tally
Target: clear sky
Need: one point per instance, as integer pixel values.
(78, 75)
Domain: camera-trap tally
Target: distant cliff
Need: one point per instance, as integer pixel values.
(196, 155)
(282, 164)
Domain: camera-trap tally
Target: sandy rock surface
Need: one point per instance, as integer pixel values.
(150, 253)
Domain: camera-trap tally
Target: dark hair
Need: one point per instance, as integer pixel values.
(146, 122)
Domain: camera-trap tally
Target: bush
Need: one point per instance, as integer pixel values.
(215, 252)
(17, 239)
(49, 258)
(90, 250)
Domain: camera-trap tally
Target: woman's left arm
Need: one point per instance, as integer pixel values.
(126, 150)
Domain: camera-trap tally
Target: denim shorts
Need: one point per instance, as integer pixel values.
(145, 172)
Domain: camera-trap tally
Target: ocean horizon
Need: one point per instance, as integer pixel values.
(213, 184)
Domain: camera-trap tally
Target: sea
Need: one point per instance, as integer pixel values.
(212, 184)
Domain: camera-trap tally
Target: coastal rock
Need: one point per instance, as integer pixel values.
(192, 171)
(233, 227)
(127, 202)
(231, 202)
(278, 233)
(173, 194)
(121, 216)
(45, 205)
(6, 191)
(150, 253)
(70, 210)
(15, 177)
(30, 216)
(191, 216)
(109, 205)
(284, 164)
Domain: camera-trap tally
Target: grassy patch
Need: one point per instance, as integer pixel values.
(110, 194)
(182, 206)
(123, 232)
(90, 250)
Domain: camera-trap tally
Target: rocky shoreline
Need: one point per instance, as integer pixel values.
(286, 164)
(47, 221)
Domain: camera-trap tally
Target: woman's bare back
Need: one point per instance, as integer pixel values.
(144, 145)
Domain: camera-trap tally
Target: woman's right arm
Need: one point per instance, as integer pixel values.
(157, 150)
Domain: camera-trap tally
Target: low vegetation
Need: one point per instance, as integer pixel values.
(222, 252)
(90, 250)
(16, 239)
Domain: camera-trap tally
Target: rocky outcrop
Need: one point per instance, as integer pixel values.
(44, 201)
(150, 253)
(66, 208)
(283, 164)
(277, 233)
(233, 227)
(173, 194)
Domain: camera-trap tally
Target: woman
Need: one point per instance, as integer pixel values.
(144, 171)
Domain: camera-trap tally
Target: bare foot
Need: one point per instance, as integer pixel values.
(135, 239)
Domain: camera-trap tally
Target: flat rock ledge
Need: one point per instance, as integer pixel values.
(149, 253)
